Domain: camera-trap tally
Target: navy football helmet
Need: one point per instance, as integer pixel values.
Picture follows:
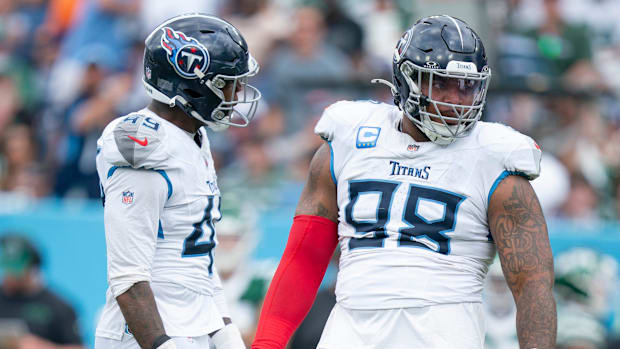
(440, 52)
(201, 64)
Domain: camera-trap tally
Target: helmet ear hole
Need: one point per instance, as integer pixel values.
(193, 93)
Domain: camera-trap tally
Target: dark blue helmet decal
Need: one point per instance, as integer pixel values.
(185, 53)
(402, 46)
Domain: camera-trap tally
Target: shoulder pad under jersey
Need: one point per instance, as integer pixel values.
(343, 116)
(134, 140)
(517, 152)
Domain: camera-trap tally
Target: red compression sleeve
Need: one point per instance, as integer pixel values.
(310, 246)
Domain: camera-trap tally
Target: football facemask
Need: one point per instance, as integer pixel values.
(239, 99)
(441, 120)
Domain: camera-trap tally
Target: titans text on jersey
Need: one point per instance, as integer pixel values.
(398, 169)
(415, 213)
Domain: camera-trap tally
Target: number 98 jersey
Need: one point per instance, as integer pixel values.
(413, 224)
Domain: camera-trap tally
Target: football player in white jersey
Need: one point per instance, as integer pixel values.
(160, 191)
(419, 197)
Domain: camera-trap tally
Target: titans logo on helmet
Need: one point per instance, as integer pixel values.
(185, 53)
(402, 46)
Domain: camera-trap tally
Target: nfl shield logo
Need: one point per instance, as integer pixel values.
(127, 197)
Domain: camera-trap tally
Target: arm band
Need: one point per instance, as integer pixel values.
(163, 342)
(310, 246)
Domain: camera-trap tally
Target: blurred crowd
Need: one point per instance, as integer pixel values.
(32, 316)
(68, 67)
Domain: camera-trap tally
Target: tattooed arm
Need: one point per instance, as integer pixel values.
(140, 311)
(520, 233)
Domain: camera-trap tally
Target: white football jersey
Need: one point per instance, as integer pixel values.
(160, 203)
(413, 224)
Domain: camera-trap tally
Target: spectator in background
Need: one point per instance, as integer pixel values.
(606, 60)
(584, 283)
(560, 50)
(382, 26)
(10, 31)
(499, 310)
(48, 321)
(342, 31)
(17, 33)
(567, 48)
(553, 185)
(29, 15)
(21, 172)
(84, 121)
(581, 147)
(601, 17)
(265, 22)
(578, 330)
(305, 60)
(60, 16)
(254, 173)
(11, 101)
(153, 12)
(245, 280)
(104, 27)
(103, 30)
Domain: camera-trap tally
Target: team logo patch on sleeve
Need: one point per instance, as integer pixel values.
(367, 136)
(127, 197)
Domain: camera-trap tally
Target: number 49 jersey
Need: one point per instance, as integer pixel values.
(160, 203)
(413, 224)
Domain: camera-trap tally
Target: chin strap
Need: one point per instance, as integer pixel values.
(435, 131)
(387, 83)
(182, 103)
(393, 89)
